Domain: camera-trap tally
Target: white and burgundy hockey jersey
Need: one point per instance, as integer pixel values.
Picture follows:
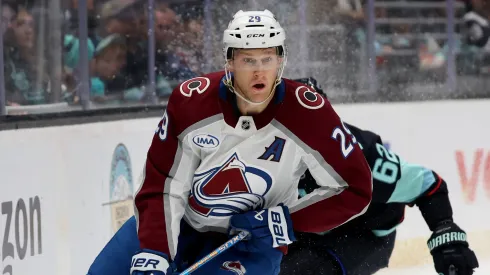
(207, 163)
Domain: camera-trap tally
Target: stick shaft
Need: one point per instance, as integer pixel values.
(242, 235)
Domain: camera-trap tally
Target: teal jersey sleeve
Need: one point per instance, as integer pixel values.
(396, 183)
(396, 180)
(415, 181)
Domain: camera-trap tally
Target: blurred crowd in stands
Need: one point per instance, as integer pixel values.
(407, 38)
(412, 41)
(117, 50)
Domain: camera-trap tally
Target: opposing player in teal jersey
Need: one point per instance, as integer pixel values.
(364, 245)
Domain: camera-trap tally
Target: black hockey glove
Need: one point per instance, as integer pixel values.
(449, 247)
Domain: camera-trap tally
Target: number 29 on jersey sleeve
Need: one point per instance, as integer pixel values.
(346, 147)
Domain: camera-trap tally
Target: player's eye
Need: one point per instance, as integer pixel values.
(266, 60)
(249, 61)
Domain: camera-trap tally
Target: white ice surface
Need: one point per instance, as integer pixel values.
(484, 269)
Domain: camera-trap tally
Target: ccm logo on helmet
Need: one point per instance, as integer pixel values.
(256, 35)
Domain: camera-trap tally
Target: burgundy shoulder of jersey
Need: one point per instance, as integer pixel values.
(195, 99)
(312, 120)
(304, 109)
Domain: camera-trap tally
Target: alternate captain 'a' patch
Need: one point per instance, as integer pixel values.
(274, 151)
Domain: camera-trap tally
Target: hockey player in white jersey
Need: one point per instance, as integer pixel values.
(227, 157)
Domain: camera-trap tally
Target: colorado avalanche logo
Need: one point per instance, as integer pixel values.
(308, 99)
(231, 188)
(235, 267)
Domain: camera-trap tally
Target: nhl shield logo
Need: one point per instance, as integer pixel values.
(121, 187)
(235, 267)
(246, 124)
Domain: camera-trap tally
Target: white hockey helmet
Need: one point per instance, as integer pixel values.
(253, 30)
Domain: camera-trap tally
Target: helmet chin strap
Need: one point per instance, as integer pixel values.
(239, 94)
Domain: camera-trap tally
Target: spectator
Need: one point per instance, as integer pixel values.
(480, 6)
(191, 43)
(71, 57)
(352, 15)
(169, 66)
(71, 19)
(167, 27)
(477, 23)
(125, 17)
(109, 59)
(72, 51)
(21, 63)
(350, 9)
(8, 14)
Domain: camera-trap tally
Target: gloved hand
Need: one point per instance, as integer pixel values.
(266, 228)
(448, 246)
(477, 29)
(150, 262)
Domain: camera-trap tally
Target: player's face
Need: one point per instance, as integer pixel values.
(255, 71)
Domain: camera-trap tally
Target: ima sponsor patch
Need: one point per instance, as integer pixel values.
(205, 141)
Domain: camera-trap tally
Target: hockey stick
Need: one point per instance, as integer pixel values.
(242, 235)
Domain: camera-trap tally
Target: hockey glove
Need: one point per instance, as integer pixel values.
(266, 228)
(150, 262)
(448, 246)
(477, 29)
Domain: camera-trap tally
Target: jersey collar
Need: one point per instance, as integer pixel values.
(230, 108)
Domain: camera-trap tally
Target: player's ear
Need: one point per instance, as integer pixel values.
(230, 65)
(280, 59)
